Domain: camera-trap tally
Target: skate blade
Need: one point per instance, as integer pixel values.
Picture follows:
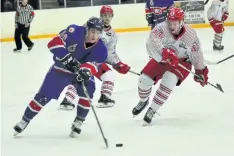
(145, 124)
(72, 134)
(65, 108)
(101, 105)
(15, 134)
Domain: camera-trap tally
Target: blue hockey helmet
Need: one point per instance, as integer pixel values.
(95, 23)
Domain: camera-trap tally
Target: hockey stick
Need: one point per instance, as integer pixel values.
(214, 63)
(217, 86)
(138, 74)
(206, 2)
(95, 114)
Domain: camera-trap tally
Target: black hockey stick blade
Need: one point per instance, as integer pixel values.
(106, 142)
(206, 2)
(217, 86)
(225, 59)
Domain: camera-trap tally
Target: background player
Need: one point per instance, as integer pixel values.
(156, 11)
(105, 74)
(169, 43)
(217, 14)
(74, 61)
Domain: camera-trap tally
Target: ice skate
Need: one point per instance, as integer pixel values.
(139, 107)
(20, 126)
(218, 48)
(66, 105)
(76, 128)
(148, 116)
(105, 102)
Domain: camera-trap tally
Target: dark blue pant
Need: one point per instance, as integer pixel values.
(54, 83)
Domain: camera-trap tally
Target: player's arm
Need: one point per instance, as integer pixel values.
(226, 13)
(113, 57)
(197, 61)
(149, 13)
(58, 47)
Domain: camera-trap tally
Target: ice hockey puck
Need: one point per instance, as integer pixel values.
(119, 145)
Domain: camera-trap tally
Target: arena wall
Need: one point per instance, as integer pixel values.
(127, 18)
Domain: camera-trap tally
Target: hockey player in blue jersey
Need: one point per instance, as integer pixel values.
(156, 11)
(77, 52)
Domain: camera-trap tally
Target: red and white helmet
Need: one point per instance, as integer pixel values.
(175, 14)
(106, 9)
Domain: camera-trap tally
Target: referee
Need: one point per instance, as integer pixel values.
(23, 17)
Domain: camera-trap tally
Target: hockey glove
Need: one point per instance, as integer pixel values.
(169, 56)
(121, 68)
(70, 63)
(225, 16)
(150, 19)
(83, 74)
(203, 76)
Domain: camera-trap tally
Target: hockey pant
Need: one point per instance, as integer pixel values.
(54, 83)
(169, 76)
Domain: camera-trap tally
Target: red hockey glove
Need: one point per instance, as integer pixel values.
(168, 55)
(225, 16)
(203, 76)
(121, 68)
(216, 25)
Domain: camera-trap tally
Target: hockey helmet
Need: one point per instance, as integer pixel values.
(175, 14)
(106, 9)
(95, 23)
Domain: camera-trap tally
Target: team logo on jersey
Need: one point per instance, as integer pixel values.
(71, 29)
(182, 45)
(72, 48)
(152, 2)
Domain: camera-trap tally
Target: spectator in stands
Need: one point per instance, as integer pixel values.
(8, 6)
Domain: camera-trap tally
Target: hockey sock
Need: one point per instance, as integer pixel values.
(107, 88)
(169, 81)
(83, 108)
(144, 87)
(71, 94)
(34, 107)
(218, 38)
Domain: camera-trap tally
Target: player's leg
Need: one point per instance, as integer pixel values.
(26, 39)
(171, 78)
(51, 88)
(218, 29)
(83, 104)
(68, 102)
(17, 38)
(151, 73)
(107, 76)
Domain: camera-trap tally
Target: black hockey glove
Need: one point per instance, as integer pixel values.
(150, 19)
(83, 74)
(70, 63)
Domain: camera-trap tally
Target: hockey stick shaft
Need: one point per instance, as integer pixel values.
(214, 63)
(217, 86)
(138, 74)
(95, 114)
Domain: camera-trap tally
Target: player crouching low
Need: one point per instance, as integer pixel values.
(169, 43)
(105, 74)
(77, 51)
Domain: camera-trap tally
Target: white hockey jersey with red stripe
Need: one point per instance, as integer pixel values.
(217, 9)
(187, 45)
(110, 39)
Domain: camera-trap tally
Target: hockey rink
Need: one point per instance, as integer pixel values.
(195, 121)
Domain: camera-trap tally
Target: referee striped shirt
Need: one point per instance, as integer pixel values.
(24, 14)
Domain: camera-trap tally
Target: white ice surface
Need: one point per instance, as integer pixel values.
(195, 121)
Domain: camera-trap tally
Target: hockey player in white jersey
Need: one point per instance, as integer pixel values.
(217, 14)
(105, 74)
(169, 43)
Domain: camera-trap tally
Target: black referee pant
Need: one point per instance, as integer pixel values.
(22, 30)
